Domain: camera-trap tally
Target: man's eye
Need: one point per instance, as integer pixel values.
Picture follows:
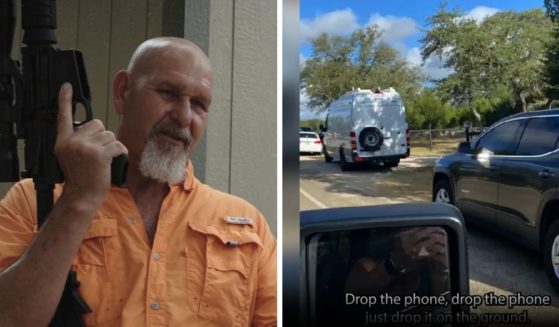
(168, 93)
(198, 104)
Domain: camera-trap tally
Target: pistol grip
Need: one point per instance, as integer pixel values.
(119, 169)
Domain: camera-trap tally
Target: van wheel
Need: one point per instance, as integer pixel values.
(327, 157)
(443, 192)
(344, 165)
(551, 254)
(371, 138)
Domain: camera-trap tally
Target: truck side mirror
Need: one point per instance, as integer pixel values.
(368, 265)
(322, 128)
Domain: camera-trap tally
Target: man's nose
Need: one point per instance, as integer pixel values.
(182, 113)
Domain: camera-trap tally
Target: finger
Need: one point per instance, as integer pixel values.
(430, 242)
(115, 149)
(103, 138)
(91, 127)
(430, 237)
(64, 123)
(436, 248)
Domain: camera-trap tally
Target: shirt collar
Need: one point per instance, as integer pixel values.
(189, 176)
(187, 185)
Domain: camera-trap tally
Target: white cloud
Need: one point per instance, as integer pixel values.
(394, 29)
(480, 13)
(339, 22)
(302, 60)
(414, 56)
(433, 68)
(303, 98)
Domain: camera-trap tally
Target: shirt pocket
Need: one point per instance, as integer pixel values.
(90, 264)
(221, 285)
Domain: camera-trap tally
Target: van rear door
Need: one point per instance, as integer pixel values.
(388, 117)
(395, 126)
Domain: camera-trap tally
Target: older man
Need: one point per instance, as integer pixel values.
(166, 250)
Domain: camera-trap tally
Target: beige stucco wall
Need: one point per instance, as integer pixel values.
(238, 153)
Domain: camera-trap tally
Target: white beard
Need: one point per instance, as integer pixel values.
(163, 161)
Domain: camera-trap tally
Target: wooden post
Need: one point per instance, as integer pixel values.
(430, 140)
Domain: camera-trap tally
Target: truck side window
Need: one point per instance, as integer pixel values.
(539, 137)
(501, 140)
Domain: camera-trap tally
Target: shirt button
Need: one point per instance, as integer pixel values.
(155, 305)
(156, 256)
(132, 219)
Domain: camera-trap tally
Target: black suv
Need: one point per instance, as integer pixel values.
(508, 180)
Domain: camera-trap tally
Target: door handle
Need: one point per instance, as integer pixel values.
(545, 174)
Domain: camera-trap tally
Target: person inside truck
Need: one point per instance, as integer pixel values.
(399, 263)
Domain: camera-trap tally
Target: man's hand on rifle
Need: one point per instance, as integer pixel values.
(31, 287)
(84, 154)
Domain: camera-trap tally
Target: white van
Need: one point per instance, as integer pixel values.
(367, 126)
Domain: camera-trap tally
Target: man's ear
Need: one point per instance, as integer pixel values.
(121, 86)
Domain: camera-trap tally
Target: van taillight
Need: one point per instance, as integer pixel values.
(353, 142)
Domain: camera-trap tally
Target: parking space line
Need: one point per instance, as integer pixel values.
(412, 159)
(313, 200)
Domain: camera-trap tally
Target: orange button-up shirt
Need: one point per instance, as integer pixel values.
(212, 262)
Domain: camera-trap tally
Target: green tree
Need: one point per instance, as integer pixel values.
(427, 110)
(551, 70)
(415, 118)
(519, 53)
(312, 123)
(359, 60)
(458, 41)
(552, 9)
(507, 49)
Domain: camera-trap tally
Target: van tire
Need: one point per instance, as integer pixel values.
(327, 157)
(371, 138)
(551, 248)
(344, 165)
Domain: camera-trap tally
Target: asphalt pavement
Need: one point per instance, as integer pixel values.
(496, 264)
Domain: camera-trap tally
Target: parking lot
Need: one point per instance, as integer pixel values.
(495, 263)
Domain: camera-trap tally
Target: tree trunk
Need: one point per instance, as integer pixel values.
(548, 103)
(523, 101)
(477, 115)
(517, 89)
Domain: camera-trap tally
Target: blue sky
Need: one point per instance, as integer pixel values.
(403, 23)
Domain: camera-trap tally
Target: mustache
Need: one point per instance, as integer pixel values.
(172, 130)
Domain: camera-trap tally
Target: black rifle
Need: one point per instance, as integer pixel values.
(28, 110)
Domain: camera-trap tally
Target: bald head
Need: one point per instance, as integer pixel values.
(168, 83)
(154, 52)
